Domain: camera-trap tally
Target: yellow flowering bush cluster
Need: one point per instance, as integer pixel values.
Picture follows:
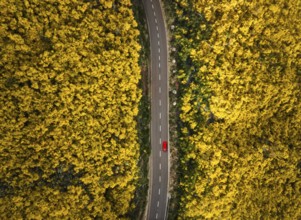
(69, 97)
(239, 72)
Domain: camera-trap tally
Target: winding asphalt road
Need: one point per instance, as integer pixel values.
(159, 161)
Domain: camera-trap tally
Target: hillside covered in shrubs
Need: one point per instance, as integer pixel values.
(69, 97)
(239, 75)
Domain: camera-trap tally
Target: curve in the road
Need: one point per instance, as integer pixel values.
(159, 161)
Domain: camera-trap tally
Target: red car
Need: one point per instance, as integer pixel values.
(164, 145)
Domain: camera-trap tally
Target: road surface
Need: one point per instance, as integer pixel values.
(159, 171)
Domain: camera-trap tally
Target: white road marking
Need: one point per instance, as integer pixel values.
(156, 20)
(160, 141)
(160, 115)
(158, 43)
(159, 191)
(160, 153)
(159, 49)
(154, 13)
(160, 127)
(152, 6)
(157, 28)
(159, 65)
(159, 179)
(156, 215)
(160, 166)
(159, 89)
(158, 35)
(160, 102)
(159, 76)
(151, 0)
(158, 203)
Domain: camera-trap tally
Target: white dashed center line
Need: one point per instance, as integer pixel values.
(156, 21)
(159, 49)
(160, 141)
(159, 56)
(157, 28)
(159, 65)
(159, 191)
(160, 166)
(159, 179)
(158, 35)
(160, 153)
(159, 76)
(152, 6)
(160, 127)
(160, 115)
(160, 102)
(154, 13)
(158, 204)
(156, 215)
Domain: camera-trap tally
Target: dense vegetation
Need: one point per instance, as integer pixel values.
(69, 97)
(143, 117)
(239, 72)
